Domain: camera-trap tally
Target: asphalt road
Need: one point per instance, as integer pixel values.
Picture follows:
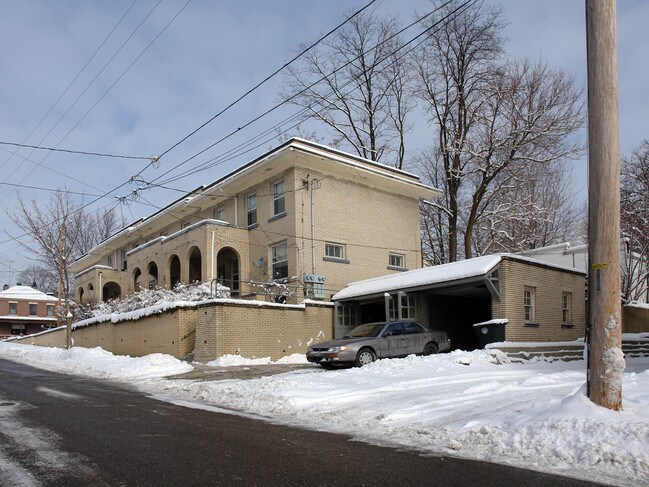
(60, 430)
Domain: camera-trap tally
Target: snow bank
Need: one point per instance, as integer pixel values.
(469, 404)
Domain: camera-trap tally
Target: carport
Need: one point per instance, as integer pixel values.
(451, 297)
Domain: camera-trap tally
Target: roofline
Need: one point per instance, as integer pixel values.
(293, 143)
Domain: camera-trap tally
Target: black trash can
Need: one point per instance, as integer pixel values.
(491, 331)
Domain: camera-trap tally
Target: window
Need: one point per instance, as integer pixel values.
(279, 204)
(124, 259)
(409, 306)
(566, 308)
(33, 307)
(219, 213)
(109, 261)
(334, 251)
(279, 258)
(13, 308)
(50, 310)
(528, 295)
(251, 209)
(396, 261)
(346, 315)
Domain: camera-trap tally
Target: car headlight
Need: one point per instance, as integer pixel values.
(341, 348)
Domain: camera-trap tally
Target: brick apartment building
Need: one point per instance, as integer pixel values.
(24, 310)
(303, 215)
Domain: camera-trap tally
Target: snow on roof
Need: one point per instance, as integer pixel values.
(427, 276)
(26, 293)
(453, 271)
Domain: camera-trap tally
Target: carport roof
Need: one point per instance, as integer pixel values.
(427, 276)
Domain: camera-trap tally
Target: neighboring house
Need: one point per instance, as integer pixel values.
(300, 221)
(635, 270)
(523, 299)
(24, 310)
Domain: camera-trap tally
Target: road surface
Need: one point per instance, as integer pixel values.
(61, 430)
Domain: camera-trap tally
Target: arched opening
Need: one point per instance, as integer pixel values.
(195, 265)
(137, 279)
(227, 267)
(152, 271)
(81, 295)
(91, 293)
(111, 291)
(174, 271)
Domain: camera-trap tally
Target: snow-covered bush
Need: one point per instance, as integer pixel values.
(149, 297)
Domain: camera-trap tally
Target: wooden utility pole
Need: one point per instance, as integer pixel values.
(606, 360)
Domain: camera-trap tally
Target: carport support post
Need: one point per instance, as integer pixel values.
(386, 296)
(399, 302)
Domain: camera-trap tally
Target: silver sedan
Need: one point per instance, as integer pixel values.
(371, 341)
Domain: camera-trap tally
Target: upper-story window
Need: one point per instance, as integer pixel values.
(251, 209)
(334, 251)
(219, 213)
(50, 310)
(279, 202)
(109, 261)
(279, 258)
(13, 308)
(33, 309)
(124, 263)
(396, 261)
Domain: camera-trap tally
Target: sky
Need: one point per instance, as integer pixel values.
(134, 78)
(476, 405)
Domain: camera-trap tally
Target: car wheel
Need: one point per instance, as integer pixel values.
(430, 349)
(365, 356)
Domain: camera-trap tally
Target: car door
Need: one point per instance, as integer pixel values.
(393, 341)
(416, 337)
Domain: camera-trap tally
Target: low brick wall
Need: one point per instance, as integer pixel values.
(260, 330)
(249, 329)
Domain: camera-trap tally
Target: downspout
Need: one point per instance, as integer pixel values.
(101, 288)
(313, 226)
(236, 211)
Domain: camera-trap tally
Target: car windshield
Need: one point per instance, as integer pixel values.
(366, 330)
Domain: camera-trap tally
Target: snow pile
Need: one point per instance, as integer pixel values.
(148, 302)
(238, 360)
(470, 404)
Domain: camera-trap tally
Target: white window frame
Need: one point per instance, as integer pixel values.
(335, 251)
(566, 308)
(279, 199)
(251, 209)
(50, 310)
(219, 213)
(35, 308)
(278, 260)
(396, 260)
(15, 308)
(529, 305)
(346, 315)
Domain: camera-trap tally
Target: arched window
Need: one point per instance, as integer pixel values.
(174, 271)
(153, 275)
(195, 265)
(227, 266)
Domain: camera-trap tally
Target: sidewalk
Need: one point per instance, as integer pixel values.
(204, 372)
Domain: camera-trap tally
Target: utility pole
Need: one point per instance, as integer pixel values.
(605, 358)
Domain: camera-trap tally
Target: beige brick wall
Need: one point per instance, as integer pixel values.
(549, 285)
(211, 330)
(254, 331)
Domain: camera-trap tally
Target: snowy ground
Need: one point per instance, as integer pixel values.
(473, 405)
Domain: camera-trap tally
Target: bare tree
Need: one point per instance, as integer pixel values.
(491, 116)
(40, 277)
(355, 85)
(59, 230)
(635, 223)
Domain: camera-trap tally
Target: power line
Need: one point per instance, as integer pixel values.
(428, 30)
(50, 190)
(68, 151)
(266, 79)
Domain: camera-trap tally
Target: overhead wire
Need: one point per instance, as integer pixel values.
(69, 151)
(287, 100)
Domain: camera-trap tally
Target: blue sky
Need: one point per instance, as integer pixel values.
(212, 52)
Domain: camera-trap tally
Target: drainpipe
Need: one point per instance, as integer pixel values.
(313, 225)
(101, 289)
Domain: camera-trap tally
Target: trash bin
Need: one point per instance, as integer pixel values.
(491, 331)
